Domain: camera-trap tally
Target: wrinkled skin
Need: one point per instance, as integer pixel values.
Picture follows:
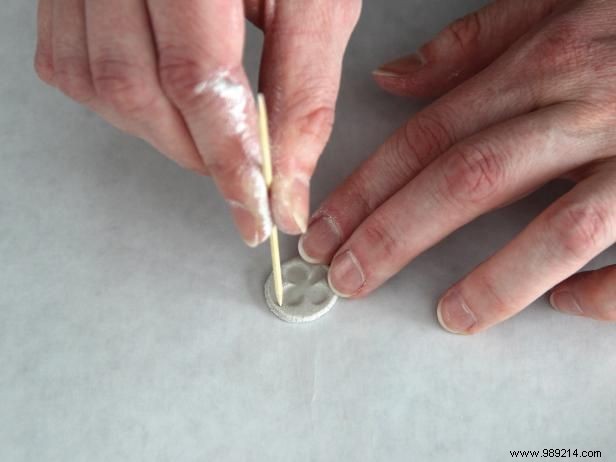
(164, 71)
(525, 93)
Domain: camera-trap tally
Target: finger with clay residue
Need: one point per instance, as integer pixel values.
(234, 158)
(200, 69)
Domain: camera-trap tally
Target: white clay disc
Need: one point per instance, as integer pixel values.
(307, 295)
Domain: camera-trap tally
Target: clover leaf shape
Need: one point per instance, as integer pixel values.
(305, 285)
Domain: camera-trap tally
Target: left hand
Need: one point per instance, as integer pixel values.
(529, 95)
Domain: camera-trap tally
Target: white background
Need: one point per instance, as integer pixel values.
(133, 325)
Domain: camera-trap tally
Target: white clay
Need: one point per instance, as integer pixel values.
(307, 295)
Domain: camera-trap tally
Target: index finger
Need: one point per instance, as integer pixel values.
(200, 48)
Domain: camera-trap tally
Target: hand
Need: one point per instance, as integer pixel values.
(529, 95)
(171, 73)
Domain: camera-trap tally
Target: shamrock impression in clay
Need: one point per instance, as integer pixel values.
(307, 295)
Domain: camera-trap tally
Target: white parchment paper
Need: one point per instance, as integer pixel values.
(133, 325)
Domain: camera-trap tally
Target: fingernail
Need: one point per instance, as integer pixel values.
(345, 276)
(250, 227)
(291, 205)
(300, 221)
(401, 67)
(565, 302)
(320, 241)
(454, 314)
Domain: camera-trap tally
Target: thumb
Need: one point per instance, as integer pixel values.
(300, 77)
(463, 48)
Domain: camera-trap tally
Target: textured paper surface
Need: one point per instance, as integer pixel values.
(133, 325)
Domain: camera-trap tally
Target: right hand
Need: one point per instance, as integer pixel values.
(171, 73)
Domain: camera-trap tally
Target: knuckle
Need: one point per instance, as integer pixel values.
(394, 160)
(379, 234)
(359, 188)
(308, 111)
(310, 104)
(180, 76)
(314, 127)
(423, 138)
(500, 306)
(472, 173)
(318, 122)
(72, 76)
(464, 33)
(581, 229)
(561, 47)
(225, 171)
(123, 86)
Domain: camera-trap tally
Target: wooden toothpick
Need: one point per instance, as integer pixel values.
(267, 174)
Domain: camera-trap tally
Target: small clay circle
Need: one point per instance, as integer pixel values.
(307, 295)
